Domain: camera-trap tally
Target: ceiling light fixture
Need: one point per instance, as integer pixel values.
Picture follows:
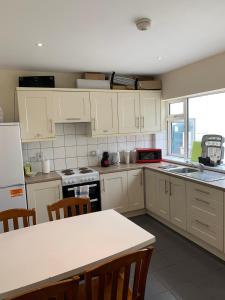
(143, 24)
(39, 44)
(159, 58)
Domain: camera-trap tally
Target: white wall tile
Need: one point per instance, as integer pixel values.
(47, 153)
(59, 141)
(93, 161)
(59, 129)
(69, 128)
(92, 141)
(102, 140)
(70, 140)
(112, 147)
(24, 146)
(60, 164)
(52, 165)
(80, 128)
(46, 144)
(71, 151)
(122, 146)
(33, 153)
(82, 150)
(81, 140)
(25, 155)
(34, 145)
(121, 139)
(111, 139)
(59, 152)
(71, 163)
(82, 162)
(131, 146)
(92, 148)
(131, 138)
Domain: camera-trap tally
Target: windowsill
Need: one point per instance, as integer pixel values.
(185, 162)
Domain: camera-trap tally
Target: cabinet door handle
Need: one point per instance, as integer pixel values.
(203, 224)
(72, 119)
(141, 178)
(103, 185)
(137, 122)
(165, 187)
(142, 122)
(203, 201)
(170, 189)
(105, 130)
(203, 192)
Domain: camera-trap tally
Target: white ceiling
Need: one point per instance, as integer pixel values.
(100, 35)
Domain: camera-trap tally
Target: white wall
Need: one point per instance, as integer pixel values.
(9, 81)
(205, 75)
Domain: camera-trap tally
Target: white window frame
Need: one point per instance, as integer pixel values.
(175, 118)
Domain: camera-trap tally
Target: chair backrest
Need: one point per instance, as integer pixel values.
(120, 267)
(70, 206)
(63, 290)
(15, 214)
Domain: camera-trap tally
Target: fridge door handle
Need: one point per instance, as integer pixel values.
(12, 186)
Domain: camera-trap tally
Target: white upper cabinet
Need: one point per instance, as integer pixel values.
(36, 115)
(129, 112)
(150, 106)
(104, 115)
(72, 106)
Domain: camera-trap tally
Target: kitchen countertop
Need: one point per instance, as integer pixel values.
(41, 177)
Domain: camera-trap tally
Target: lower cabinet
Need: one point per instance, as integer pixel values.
(39, 195)
(205, 214)
(165, 196)
(122, 191)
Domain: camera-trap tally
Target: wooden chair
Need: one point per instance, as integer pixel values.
(71, 207)
(63, 290)
(15, 214)
(111, 280)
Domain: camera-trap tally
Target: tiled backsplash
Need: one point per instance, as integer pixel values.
(72, 147)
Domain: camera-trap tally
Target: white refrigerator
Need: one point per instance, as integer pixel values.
(12, 184)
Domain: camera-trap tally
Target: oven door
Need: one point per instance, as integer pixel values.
(93, 189)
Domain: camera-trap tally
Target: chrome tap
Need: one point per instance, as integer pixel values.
(201, 167)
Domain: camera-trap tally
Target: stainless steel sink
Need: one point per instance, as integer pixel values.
(206, 176)
(183, 171)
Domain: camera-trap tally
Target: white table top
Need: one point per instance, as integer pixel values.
(33, 256)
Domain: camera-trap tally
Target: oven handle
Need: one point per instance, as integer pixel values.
(90, 186)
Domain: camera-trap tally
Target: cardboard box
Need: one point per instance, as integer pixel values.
(122, 87)
(150, 84)
(92, 84)
(94, 76)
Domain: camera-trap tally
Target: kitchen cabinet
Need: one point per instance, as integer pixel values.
(163, 198)
(114, 191)
(36, 113)
(150, 106)
(72, 106)
(205, 214)
(178, 211)
(39, 195)
(129, 112)
(135, 190)
(151, 191)
(104, 114)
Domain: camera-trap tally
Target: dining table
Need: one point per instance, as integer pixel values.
(38, 255)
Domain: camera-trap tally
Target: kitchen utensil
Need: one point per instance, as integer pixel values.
(127, 157)
(105, 159)
(115, 158)
(46, 166)
(133, 156)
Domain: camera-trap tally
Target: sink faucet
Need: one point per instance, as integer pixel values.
(201, 167)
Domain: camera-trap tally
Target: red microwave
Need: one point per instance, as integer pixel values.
(148, 155)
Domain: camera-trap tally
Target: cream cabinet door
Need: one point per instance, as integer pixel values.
(129, 112)
(72, 106)
(135, 190)
(114, 191)
(150, 106)
(36, 115)
(39, 195)
(104, 114)
(178, 209)
(163, 198)
(151, 183)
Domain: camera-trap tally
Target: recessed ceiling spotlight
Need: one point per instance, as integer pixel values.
(39, 44)
(159, 58)
(143, 24)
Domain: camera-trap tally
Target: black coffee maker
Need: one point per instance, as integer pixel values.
(105, 159)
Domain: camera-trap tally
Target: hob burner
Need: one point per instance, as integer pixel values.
(68, 172)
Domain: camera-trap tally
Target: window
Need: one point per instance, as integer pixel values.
(191, 118)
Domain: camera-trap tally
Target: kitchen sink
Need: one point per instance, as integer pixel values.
(206, 176)
(184, 170)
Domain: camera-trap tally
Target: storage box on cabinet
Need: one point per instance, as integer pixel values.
(205, 213)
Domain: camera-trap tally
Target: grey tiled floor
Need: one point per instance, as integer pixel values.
(180, 269)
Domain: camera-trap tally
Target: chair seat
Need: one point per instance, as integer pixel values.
(81, 291)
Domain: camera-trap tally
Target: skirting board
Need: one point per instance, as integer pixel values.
(189, 236)
(135, 213)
